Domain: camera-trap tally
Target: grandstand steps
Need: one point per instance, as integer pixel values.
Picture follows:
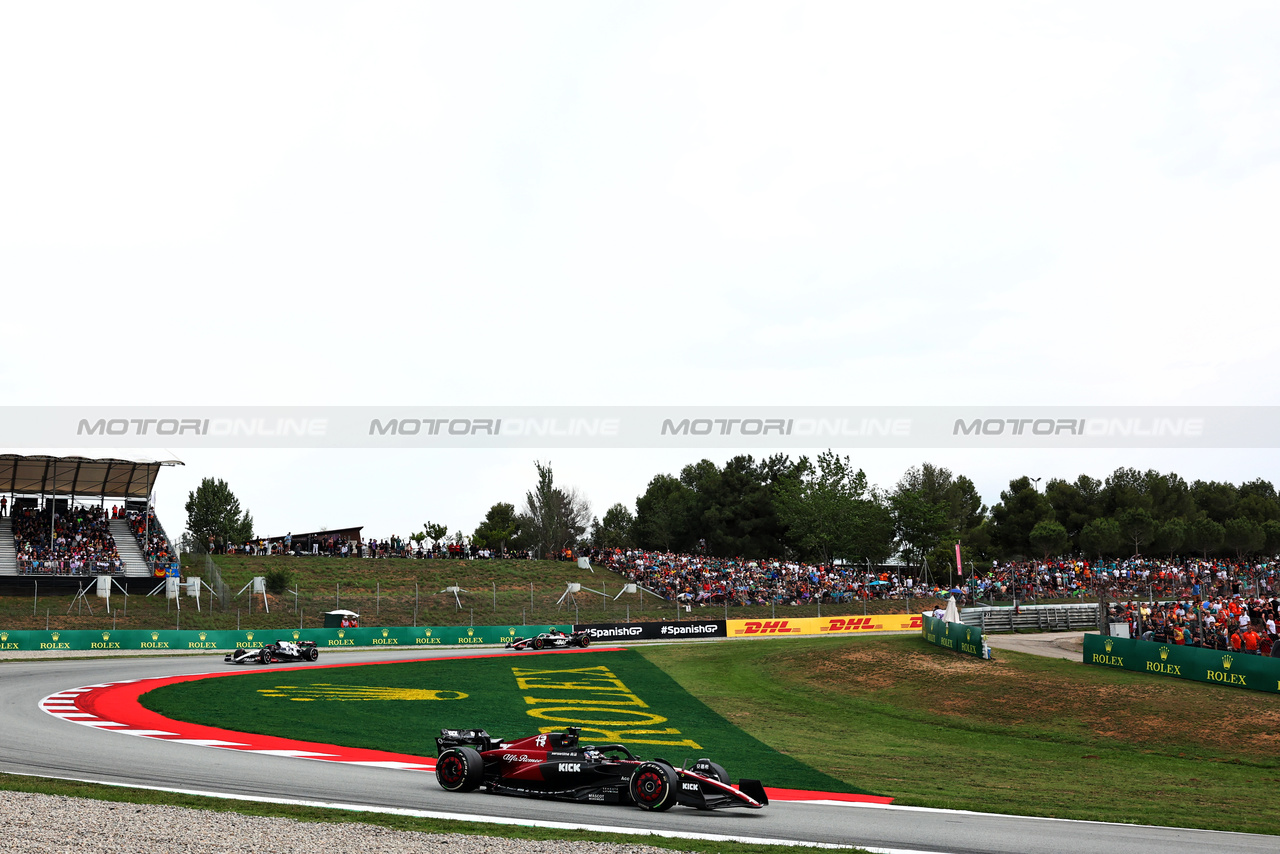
(8, 554)
(135, 565)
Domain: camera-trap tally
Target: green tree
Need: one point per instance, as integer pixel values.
(500, 527)
(1244, 536)
(664, 515)
(1075, 503)
(435, 531)
(1137, 526)
(830, 512)
(615, 531)
(1215, 500)
(734, 509)
(1020, 509)
(1271, 535)
(1205, 535)
(1101, 537)
(214, 516)
(1049, 538)
(555, 518)
(918, 524)
(1170, 536)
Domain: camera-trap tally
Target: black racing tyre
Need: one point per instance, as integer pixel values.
(459, 769)
(313, 654)
(653, 786)
(584, 641)
(539, 643)
(264, 656)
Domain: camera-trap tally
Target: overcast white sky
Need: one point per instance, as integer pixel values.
(634, 203)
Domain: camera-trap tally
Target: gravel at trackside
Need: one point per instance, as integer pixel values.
(61, 825)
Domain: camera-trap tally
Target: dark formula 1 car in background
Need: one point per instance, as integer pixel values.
(553, 639)
(554, 765)
(281, 650)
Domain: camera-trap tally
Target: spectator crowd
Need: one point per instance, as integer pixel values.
(75, 542)
(1233, 623)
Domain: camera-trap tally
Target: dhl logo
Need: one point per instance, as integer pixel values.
(852, 624)
(767, 627)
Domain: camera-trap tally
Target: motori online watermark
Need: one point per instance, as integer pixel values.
(765, 427)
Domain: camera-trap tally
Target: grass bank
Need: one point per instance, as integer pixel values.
(1022, 734)
(396, 592)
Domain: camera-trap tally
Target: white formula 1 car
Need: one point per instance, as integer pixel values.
(281, 650)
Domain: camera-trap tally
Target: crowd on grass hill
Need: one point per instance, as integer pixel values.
(1138, 577)
(75, 542)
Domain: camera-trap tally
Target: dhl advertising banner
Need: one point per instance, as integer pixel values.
(402, 636)
(954, 636)
(825, 625)
(1254, 672)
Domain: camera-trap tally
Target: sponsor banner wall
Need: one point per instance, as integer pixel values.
(953, 636)
(1254, 672)
(826, 625)
(400, 636)
(613, 632)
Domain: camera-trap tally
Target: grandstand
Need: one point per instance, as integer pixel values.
(59, 528)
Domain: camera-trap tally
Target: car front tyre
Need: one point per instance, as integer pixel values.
(459, 769)
(538, 643)
(653, 786)
(264, 657)
(313, 654)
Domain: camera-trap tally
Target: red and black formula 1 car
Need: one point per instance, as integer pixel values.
(554, 765)
(554, 639)
(281, 650)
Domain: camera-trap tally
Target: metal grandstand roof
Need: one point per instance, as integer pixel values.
(123, 474)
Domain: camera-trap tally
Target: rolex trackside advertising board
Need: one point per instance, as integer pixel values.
(614, 632)
(402, 637)
(1238, 669)
(953, 636)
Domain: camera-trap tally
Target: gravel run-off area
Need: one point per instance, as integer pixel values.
(61, 825)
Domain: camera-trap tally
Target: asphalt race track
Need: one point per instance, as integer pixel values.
(33, 742)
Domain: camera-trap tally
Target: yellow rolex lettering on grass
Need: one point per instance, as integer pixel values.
(593, 698)
(354, 693)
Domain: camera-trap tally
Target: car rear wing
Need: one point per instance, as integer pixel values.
(477, 738)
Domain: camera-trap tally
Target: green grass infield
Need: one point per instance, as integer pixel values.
(614, 696)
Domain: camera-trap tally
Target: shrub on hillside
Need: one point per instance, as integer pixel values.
(279, 581)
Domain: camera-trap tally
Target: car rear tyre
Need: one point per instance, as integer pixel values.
(313, 654)
(264, 657)
(538, 643)
(653, 786)
(584, 641)
(459, 769)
